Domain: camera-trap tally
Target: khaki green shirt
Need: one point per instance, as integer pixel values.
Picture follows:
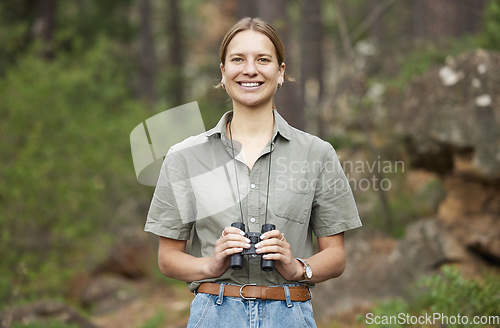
(197, 193)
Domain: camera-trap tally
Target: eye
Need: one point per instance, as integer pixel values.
(237, 59)
(264, 60)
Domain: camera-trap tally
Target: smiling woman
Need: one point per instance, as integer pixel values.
(241, 266)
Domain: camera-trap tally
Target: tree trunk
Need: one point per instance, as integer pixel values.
(246, 8)
(147, 76)
(312, 61)
(176, 85)
(445, 18)
(45, 25)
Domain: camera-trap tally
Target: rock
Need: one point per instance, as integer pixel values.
(107, 293)
(380, 268)
(43, 311)
(451, 117)
(471, 210)
(451, 114)
(131, 255)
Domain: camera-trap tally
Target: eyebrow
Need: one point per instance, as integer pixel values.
(259, 55)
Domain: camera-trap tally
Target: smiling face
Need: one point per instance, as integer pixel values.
(251, 72)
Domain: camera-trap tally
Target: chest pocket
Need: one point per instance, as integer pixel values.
(292, 205)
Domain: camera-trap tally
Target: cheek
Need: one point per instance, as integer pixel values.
(231, 71)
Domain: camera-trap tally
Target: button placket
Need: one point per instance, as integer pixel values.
(253, 212)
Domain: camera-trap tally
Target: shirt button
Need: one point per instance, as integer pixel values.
(252, 220)
(252, 186)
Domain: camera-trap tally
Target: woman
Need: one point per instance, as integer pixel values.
(252, 168)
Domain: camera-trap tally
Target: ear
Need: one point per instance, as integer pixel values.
(222, 68)
(282, 73)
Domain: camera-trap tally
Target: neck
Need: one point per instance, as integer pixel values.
(253, 122)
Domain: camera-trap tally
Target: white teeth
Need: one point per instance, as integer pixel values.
(255, 84)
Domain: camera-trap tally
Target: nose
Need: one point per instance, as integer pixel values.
(250, 68)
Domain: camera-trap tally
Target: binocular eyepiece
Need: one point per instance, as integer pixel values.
(237, 259)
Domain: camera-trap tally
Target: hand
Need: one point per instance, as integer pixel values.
(231, 241)
(275, 247)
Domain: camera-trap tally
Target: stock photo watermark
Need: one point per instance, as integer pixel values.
(439, 319)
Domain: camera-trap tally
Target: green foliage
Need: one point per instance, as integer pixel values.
(389, 309)
(45, 324)
(155, 322)
(427, 55)
(66, 164)
(447, 294)
(450, 294)
(490, 38)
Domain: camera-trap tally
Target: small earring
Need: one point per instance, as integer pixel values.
(223, 86)
(280, 85)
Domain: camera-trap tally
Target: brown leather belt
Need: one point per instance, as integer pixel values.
(252, 292)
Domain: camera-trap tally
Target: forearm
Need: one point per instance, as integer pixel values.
(179, 265)
(329, 262)
(175, 263)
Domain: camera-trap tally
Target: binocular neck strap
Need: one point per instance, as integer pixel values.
(236, 174)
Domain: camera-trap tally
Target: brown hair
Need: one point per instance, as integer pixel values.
(258, 25)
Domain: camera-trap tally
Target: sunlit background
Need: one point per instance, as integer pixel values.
(407, 92)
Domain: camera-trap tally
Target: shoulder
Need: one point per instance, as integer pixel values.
(310, 142)
(181, 152)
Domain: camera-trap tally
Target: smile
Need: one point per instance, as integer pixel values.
(250, 84)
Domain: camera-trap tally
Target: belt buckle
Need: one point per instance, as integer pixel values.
(247, 298)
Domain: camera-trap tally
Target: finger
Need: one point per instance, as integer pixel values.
(232, 230)
(230, 239)
(236, 244)
(231, 251)
(273, 242)
(271, 234)
(274, 256)
(271, 249)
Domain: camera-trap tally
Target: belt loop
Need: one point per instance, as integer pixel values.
(221, 293)
(289, 303)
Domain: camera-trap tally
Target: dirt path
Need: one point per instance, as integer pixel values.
(159, 305)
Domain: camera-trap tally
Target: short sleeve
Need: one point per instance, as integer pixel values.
(333, 209)
(171, 211)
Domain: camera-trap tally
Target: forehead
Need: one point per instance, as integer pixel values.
(251, 42)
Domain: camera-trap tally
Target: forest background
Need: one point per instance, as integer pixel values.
(77, 76)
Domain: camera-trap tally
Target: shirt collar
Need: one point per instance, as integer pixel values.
(280, 126)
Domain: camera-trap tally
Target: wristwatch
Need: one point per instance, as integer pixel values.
(308, 273)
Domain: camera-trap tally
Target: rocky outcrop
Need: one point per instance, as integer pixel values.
(379, 267)
(107, 293)
(451, 117)
(471, 211)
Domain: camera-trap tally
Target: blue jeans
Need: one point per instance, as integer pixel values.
(218, 311)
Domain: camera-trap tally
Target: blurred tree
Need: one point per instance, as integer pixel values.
(45, 25)
(147, 55)
(246, 8)
(176, 86)
(311, 70)
(445, 18)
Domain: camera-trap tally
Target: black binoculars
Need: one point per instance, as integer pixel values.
(237, 259)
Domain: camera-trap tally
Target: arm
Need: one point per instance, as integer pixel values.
(330, 260)
(174, 262)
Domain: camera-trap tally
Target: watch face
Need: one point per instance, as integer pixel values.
(309, 272)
